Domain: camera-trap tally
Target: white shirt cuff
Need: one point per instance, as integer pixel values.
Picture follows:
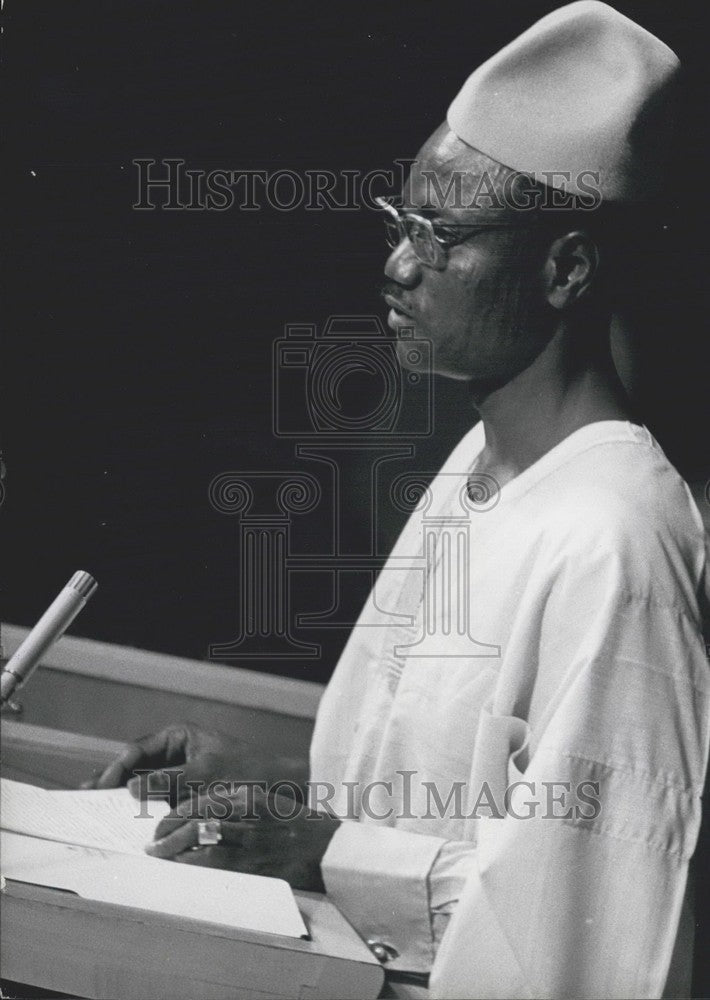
(377, 876)
(449, 873)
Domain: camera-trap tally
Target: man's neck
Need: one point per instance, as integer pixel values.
(562, 390)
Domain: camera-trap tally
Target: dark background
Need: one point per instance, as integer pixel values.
(140, 343)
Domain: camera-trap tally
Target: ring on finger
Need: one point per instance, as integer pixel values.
(209, 832)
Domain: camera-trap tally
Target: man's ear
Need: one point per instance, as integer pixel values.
(570, 269)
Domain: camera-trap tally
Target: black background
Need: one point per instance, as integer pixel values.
(140, 342)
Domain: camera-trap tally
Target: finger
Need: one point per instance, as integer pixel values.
(194, 808)
(168, 746)
(202, 808)
(153, 784)
(152, 751)
(174, 834)
(169, 824)
(157, 752)
(119, 769)
(215, 857)
(205, 857)
(91, 782)
(174, 783)
(181, 839)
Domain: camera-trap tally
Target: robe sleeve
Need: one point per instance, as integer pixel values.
(581, 897)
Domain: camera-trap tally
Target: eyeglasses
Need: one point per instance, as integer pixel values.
(431, 240)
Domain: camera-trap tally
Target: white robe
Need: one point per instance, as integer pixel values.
(566, 646)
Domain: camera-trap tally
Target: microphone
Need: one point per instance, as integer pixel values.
(53, 623)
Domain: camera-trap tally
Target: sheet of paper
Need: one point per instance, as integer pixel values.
(251, 902)
(109, 819)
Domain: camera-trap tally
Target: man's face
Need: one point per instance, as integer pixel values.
(484, 312)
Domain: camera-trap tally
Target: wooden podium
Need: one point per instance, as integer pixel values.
(59, 941)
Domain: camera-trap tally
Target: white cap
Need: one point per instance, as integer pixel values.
(583, 90)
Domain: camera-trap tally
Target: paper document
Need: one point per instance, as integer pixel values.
(93, 843)
(231, 899)
(109, 819)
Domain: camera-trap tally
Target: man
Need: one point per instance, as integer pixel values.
(512, 803)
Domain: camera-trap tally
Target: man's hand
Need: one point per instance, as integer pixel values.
(179, 750)
(263, 835)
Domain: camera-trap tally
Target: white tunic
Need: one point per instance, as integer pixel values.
(551, 633)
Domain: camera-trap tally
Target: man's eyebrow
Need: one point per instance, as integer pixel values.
(441, 214)
(475, 220)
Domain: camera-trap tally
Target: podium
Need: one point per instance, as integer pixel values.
(59, 941)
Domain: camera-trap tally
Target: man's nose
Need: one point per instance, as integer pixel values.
(402, 265)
